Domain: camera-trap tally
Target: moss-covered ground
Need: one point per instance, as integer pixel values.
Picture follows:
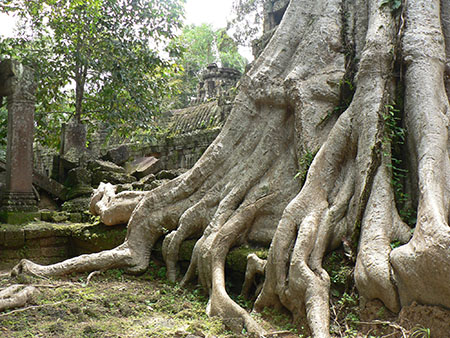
(113, 304)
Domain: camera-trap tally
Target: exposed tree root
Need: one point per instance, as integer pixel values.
(243, 185)
(422, 267)
(16, 296)
(255, 266)
(111, 207)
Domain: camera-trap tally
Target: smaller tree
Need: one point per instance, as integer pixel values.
(203, 45)
(97, 58)
(247, 20)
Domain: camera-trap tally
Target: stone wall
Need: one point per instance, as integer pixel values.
(189, 130)
(47, 243)
(43, 159)
(181, 151)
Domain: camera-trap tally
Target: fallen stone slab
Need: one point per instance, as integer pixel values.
(118, 155)
(144, 166)
(104, 166)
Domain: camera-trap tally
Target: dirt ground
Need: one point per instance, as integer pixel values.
(112, 304)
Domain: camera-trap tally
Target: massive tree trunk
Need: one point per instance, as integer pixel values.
(290, 106)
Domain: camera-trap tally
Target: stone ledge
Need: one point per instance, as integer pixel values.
(47, 243)
(18, 217)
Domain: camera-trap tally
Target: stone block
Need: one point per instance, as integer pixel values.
(75, 133)
(46, 216)
(147, 179)
(75, 217)
(32, 243)
(78, 191)
(13, 254)
(19, 217)
(78, 176)
(49, 185)
(96, 238)
(118, 155)
(33, 231)
(105, 166)
(144, 166)
(29, 253)
(77, 205)
(59, 217)
(54, 251)
(14, 238)
(111, 177)
(166, 174)
(53, 241)
(124, 187)
(137, 185)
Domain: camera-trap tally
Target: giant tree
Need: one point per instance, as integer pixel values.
(101, 59)
(285, 109)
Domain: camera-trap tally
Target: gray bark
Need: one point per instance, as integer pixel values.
(243, 185)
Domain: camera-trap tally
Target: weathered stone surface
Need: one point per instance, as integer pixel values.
(18, 217)
(104, 166)
(77, 205)
(96, 238)
(78, 191)
(78, 176)
(144, 183)
(155, 184)
(61, 166)
(74, 144)
(53, 241)
(14, 239)
(49, 185)
(35, 231)
(54, 251)
(76, 217)
(17, 83)
(167, 174)
(125, 187)
(59, 217)
(216, 82)
(147, 179)
(78, 183)
(118, 155)
(144, 166)
(111, 177)
(137, 186)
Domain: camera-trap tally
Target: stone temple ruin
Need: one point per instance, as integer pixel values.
(57, 186)
(70, 175)
(17, 196)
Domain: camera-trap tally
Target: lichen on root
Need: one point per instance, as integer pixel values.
(243, 187)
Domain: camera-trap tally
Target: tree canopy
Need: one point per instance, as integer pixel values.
(246, 22)
(102, 59)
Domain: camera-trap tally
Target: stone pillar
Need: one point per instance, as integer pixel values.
(17, 202)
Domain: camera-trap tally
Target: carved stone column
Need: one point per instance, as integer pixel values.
(18, 202)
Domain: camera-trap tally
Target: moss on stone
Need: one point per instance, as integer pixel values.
(18, 217)
(237, 258)
(76, 205)
(186, 249)
(94, 238)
